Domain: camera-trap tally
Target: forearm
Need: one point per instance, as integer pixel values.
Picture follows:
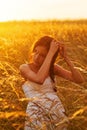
(76, 75)
(44, 69)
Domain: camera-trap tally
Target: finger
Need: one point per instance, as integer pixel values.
(60, 44)
(56, 43)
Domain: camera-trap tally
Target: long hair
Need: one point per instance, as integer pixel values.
(46, 42)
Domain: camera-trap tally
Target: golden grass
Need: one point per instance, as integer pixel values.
(16, 40)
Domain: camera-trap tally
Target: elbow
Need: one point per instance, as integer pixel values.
(40, 81)
(82, 80)
(78, 82)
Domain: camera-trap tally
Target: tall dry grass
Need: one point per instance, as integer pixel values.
(16, 40)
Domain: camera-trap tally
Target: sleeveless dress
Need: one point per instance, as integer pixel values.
(44, 110)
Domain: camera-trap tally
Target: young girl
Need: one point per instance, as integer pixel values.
(45, 110)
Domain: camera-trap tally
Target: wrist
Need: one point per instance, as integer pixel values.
(51, 53)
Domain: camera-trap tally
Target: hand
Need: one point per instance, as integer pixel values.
(62, 51)
(54, 46)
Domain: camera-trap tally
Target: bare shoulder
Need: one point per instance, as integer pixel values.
(23, 66)
(24, 70)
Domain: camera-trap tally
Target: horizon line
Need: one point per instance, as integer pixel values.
(43, 20)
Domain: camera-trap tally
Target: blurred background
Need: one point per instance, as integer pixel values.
(22, 22)
(42, 9)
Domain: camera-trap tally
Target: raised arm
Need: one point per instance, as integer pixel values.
(73, 75)
(43, 72)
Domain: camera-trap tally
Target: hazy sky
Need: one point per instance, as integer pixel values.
(42, 9)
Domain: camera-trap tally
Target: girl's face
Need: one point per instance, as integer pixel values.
(39, 56)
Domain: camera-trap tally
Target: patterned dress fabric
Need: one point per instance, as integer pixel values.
(44, 110)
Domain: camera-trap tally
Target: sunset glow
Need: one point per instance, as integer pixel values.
(42, 9)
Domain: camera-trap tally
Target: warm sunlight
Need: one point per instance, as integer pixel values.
(42, 9)
(43, 82)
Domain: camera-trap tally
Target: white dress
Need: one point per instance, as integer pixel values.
(44, 110)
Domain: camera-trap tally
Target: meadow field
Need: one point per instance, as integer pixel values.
(16, 41)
